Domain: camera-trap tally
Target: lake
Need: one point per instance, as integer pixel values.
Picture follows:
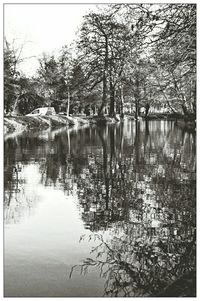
(118, 202)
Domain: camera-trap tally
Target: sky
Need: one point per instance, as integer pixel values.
(41, 28)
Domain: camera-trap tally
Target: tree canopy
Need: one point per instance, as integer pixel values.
(124, 56)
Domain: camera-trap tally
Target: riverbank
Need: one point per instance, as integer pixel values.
(184, 123)
(21, 123)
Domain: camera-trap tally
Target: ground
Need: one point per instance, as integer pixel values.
(20, 123)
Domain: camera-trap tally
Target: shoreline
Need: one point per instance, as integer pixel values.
(18, 124)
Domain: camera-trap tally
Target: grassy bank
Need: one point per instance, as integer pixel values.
(21, 123)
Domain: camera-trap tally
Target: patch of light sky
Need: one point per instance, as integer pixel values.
(41, 28)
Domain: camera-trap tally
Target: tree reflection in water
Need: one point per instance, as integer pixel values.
(135, 181)
(138, 263)
(145, 192)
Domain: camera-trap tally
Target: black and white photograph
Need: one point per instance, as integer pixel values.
(99, 149)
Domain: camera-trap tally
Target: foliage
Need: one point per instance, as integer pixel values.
(103, 51)
(142, 55)
(169, 33)
(11, 77)
(21, 94)
(139, 266)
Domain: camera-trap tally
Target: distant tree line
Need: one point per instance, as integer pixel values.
(125, 56)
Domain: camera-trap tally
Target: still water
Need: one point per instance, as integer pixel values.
(118, 202)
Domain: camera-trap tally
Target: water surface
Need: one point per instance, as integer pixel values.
(127, 189)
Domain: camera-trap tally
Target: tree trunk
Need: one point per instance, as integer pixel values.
(68, 101)
(137, 98)
(147, 107)
(137, 142)
(69, 144)
(112, 96)
(15, 106)
(122, 103)
(104, 79)
(112, 102)
(194, 107)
